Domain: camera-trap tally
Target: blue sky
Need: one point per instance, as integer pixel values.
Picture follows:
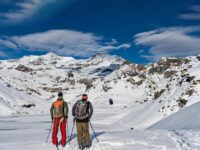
(141, 31)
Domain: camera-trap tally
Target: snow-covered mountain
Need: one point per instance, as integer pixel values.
(186, 119)
(142, 95)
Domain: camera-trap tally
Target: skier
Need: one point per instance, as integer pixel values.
(110, 101)
(59, 115)
(82, 112)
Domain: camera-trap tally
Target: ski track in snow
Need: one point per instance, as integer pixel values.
(181, 141)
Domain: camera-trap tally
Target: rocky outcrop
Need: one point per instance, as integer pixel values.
(28, 105)
(158, 93)
(190, 92)
(182, 102)
(171, 62)
(33, 91)
(85, 81)
(52, 90)
(70, 75)
(198, 57)
(131, 80)
(127, 63)
(132, 74)
(140, 67)
(71, 81)
(88, 87)
(165, 64)
(169, 74)
(106, 88)
(139, 82)
(190, 78)
(23, 68)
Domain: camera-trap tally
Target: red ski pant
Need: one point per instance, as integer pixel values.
(56, 124)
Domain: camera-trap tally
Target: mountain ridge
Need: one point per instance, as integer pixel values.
(160, 89)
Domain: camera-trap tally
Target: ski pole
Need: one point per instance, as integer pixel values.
(71, 132)
(94, 132)
(67, 129)
(49, 132)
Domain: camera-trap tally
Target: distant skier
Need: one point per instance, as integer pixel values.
(110, 101)
(59, 115)
(82, 111)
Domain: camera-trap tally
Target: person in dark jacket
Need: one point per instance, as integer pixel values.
(59, 115)
(82, 112)
(110, 101)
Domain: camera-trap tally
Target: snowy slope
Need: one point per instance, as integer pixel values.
(30, 132)
(186, 119)
(14, 102)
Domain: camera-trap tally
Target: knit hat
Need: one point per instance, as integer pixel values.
(60, 95)
(84, 97)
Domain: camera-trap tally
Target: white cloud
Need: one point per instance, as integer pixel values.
(65, 42)
(176, 41)
(9, 44)
(193, 14)
(23, 10)
(111, 47)
(112, 42)
(141, 51)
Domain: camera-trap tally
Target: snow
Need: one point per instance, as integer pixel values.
(185, 119)
(137, 119)
(30, 132)
(12, 101)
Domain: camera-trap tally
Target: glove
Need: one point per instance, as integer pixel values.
(89, 117)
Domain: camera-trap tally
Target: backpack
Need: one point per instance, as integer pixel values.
(58, 108)
(81, 111)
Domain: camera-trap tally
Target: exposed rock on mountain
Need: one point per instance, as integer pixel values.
(23, 68)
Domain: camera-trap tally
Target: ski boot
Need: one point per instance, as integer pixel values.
(81, 147)
(87, 146)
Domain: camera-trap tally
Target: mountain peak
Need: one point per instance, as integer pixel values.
(106, 59)
(50, 55)
(98, 55)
